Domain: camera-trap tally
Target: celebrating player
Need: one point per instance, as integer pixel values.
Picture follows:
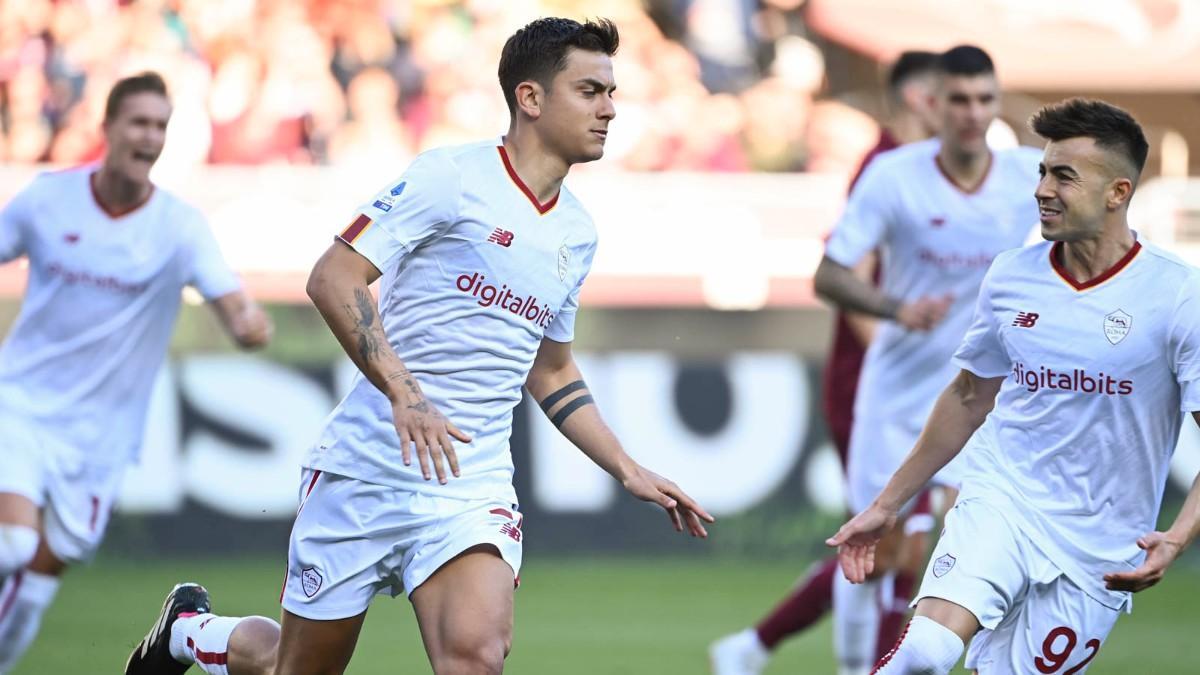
(482, 253)
(1082, 358)
(109, 254)
(912, 117)
(939, 211)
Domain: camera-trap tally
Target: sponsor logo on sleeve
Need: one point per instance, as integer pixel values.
(1117, 325)
(395, 192)
(385, 203)
(943, 565)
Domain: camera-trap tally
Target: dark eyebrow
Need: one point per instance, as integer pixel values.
(596, 84)
(1063, 168)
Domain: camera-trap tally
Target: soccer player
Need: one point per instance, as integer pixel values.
(109, 255)
(482, 253)
(938, 211)
(1083, 355)
(912, 117)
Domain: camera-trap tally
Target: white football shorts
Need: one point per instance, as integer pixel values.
(75, 495)
(1035, 620)
(877, 448)
(353, 540)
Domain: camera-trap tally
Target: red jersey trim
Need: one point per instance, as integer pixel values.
(355, 229)
(123, 212)
(512, 173)
(1061, 270)
(937, 159)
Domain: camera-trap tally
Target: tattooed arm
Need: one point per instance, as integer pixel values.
(556, 384)
(338, 287)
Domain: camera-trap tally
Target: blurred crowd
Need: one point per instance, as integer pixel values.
(703, 85)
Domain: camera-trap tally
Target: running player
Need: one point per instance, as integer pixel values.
(912, 81)
(109, 254)
(482, 253)
(938, 211)
(1082, 358)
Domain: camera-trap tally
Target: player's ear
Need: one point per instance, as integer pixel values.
(530, 99)
(1119, 192)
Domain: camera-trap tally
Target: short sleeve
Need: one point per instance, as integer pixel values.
(418, 207)
(981, 351)
(210, 274)
(864, 224)
(15, 222)
(562, 327)
(1184, 344)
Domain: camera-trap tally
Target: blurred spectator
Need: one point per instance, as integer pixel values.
(365, 83)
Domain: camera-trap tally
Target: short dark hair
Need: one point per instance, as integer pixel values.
(1109, 126)
(909, 65)
(135, 84)
(966, 60)
(539, 51)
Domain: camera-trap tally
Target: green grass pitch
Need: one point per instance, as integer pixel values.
(582, 617)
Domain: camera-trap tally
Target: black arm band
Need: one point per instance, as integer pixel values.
(559, 395)
(562, 415)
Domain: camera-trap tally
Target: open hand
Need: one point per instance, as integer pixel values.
(682, 509)
(422, 426)
(856, 541)
(1160, 553)
(924, 313)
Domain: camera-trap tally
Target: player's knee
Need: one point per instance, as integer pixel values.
(18, 546)
(254, 645)
(477, 657)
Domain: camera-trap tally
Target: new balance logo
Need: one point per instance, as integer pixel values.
(1025, 319)
(502, 237)
(512, 531)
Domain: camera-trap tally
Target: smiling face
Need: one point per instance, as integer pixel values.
(574, 112)
(967, 105)
(136, 134)
(1081, 183)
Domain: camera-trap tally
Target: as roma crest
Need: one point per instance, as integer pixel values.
(1117, 325)
(564, 261)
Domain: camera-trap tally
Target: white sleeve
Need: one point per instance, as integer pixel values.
(210, 274)
(15, 222)
(864, 224)
(562, 327)
(418, 207)
(981, 351)
(1184, 344)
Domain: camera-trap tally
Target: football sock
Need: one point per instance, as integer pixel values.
(855, 622)
(925, 648)
(24, 598)
(203, 639)
(802, 608)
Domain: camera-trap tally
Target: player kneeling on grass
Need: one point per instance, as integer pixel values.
(1082, 358)
(482, 253)
(109, 254)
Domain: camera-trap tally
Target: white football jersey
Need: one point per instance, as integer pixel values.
(1097, 377)
(475, 273)
(101, 301)
(934, 239)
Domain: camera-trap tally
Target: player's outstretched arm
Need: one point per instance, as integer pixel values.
(556, 384)
(959, 411)
(243, 319)
(338, 287)
(841, 286)
(1162, 548)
